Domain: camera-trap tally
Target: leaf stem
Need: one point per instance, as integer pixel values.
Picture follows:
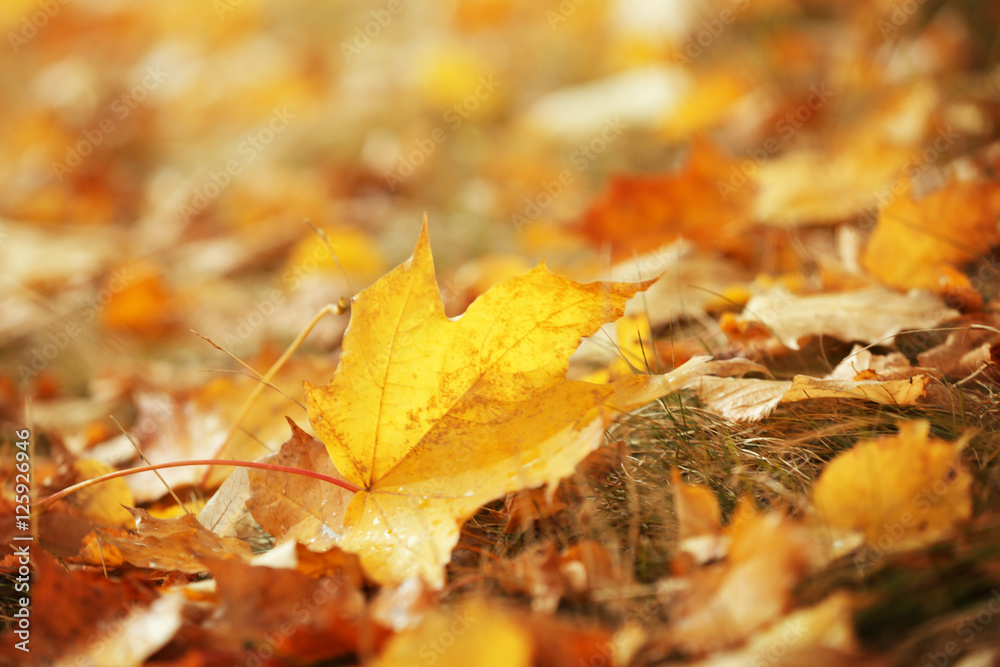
(338, 308)
(69, 490)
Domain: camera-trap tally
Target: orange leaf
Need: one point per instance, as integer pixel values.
(640, 213)
(918, 243)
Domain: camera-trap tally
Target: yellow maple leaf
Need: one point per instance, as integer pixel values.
(901, 491)
(910, 247)
(432, 416)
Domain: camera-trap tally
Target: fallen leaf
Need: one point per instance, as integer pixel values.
(192, 424)
(901, 491)
(433, 417)
(820, 634)
(641, 213)
(145, 305)
(690, 278)
(740, 399)
(964, 352)
(472, 634)
(871, 315)
(750, 400)
(225, 512)
(861, 361)
(319, 619)
(106, 502)
(549, 575)
(908, 249)
(171, 545)
(699, 524)
(889, 392)
(72, 611)
(636, 96)
(527, 507)
(561, 643)
(714, 98)
(27, 251)
(851, 172)
(728, 602)
(814, 187)
(292, 507)
(697, 508)
(132, 639)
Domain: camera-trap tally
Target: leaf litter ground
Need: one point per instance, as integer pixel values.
(822, 491)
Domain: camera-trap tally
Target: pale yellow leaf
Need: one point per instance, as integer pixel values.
(740, 399)
(870, 315)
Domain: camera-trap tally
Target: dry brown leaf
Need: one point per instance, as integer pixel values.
(133, 639)
(742, 399)
(699, 520)
(27, 251)
(689, 280)
(526, 507)
(72, 611)
(548, 575)
(861, 361)
(225, 514)
(810, 187)
(319, 619)
(171, 545)
(697, 508)
(964, 352)
(192, 424)
(690, 277)
(291, 507)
